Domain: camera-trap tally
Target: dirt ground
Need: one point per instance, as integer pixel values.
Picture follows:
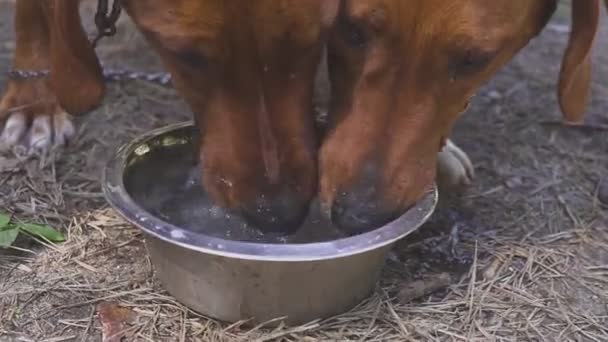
(526, 246)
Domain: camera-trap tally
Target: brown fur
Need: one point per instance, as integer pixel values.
(246, 68)
(32, 53)
(403, 71)
(76, 76)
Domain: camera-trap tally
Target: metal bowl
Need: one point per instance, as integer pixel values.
(232, 280)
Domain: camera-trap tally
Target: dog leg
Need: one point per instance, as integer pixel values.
(454, 168)
(30, 114)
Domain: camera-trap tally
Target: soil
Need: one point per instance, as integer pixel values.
(526, 246)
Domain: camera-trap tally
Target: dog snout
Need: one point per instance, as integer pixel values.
(280, 213)
(359, 205)
(355, 212)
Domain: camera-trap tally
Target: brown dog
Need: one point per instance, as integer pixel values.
(403, 70)
(246, 68)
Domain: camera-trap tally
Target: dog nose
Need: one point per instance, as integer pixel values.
(358, 212)
(281, 213)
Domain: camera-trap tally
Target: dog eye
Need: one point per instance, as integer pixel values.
(470, 62)
(353, 33)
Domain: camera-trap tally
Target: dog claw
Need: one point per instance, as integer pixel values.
(44, 132)
(454, 168)
(14, 129)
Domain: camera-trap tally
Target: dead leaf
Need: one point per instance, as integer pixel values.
(114, 320)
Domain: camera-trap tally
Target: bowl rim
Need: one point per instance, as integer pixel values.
(119, 199)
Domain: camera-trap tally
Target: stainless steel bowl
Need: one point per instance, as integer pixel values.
(243, 280)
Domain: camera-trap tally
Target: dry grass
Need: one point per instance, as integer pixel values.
(526, 247)
(541, 289)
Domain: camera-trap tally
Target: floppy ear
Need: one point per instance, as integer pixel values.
(76, 74)
(575, 75)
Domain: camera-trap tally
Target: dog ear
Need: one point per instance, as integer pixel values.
(76, 74)
(575, 74)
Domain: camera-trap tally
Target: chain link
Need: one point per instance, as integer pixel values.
(106, 21)
(109, 74)
(26, 74)
(161, 78)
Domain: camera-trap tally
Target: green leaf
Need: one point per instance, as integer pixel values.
(42, 231)
(8, 236)
(4, 220)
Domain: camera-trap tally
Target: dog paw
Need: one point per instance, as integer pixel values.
(454, 168)
(31, 117)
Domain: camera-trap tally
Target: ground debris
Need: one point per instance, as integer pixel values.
(114, 321)
(544, 241)
(423, 287)
(7, 164)
(602, 191)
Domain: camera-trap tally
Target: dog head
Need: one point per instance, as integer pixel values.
(403, 70)
(247, 70)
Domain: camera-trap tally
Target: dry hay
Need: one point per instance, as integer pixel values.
(526, 248)
(538, 289)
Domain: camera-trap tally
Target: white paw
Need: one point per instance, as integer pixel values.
(38, 134)
(454, 168)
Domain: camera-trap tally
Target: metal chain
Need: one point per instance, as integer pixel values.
(109, 74)
(106, 21)
(162, 78)
(17, 74)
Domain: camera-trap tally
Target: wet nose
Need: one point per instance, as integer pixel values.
(281, 213)
(356, 212)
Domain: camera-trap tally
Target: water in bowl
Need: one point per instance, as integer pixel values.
(166, 183)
